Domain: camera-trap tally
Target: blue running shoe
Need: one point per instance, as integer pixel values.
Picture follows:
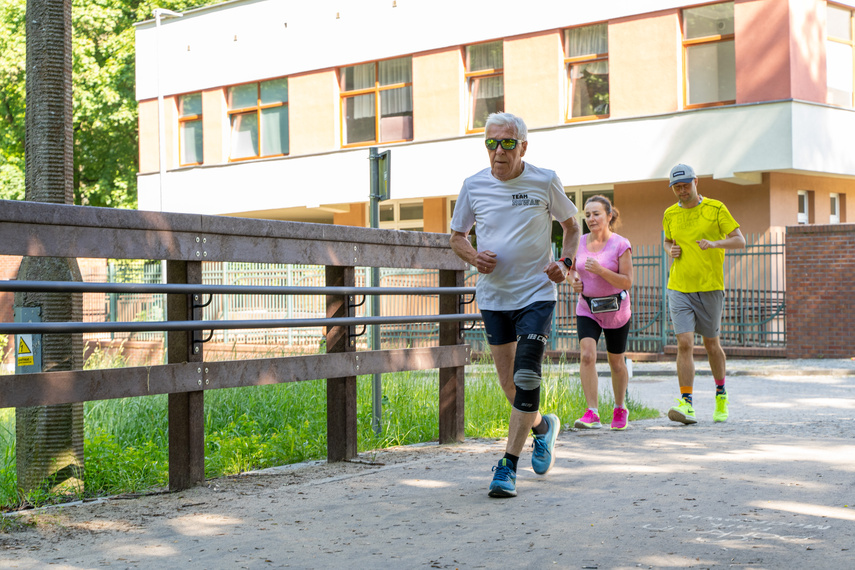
(542, 457)
(504, 480)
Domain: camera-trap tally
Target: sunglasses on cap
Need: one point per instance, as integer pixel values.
(507, 144)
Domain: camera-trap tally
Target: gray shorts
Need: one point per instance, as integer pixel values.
(696, 312)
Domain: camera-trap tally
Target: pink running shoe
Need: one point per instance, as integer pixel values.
(589, 421)
(619, 418)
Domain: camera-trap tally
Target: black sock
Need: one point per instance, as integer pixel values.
(719, 390)
(513, 460)
(540, 428)
(688, 398)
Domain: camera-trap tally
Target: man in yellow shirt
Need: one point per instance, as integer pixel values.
(697, 231)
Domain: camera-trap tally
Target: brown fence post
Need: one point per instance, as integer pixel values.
(451, 380)
(341, 392)
(187, 409)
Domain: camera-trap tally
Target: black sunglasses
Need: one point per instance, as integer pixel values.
(507, 144)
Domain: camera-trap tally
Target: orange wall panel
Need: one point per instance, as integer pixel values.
(784, 202)
(314, 112)
(358, 216)
(148, 136)
(435, 219)
(642, 205)
(533, 69)
(645, 64)
(170, 131)
(438, 94)
(807, 55)
(215, 126)
(762, 38)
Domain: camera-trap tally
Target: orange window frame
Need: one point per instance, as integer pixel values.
(850, 42)
(257, 109)
(469, 77)
(376, 90)
(712, 39)
(570, 61)
(185, 119)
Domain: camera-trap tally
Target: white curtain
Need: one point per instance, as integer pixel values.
(484, 56)
(244, 135)
(588, 40)
(396, 101)
(362, 77)
(490, 87)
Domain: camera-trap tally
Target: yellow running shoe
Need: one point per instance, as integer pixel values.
(683, 412)
(720, 413)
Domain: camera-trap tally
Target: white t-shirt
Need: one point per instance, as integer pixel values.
(513, 219)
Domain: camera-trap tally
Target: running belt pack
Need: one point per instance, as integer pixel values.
(608, 304)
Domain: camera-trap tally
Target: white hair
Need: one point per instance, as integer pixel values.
(508, 120)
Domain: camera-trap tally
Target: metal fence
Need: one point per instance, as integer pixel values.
(753, 316)
(754, 309)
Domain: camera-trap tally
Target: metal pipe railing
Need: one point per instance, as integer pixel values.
(148, 326)
(180, 288)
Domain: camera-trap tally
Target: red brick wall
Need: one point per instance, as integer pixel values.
(820, 276)
(8, 270)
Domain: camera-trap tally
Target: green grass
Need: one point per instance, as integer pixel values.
(256, 427)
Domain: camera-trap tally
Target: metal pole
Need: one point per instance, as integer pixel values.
(374, 221)
(161, 121)
(663, 264)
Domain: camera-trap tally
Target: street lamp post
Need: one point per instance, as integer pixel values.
(161, 121)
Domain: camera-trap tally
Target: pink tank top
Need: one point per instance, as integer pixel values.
(596, 286)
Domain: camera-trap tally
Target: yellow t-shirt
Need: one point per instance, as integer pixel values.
(697, 270)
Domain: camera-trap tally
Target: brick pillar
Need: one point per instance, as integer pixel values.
(820, 272)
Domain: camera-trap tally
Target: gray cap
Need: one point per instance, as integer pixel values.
(682, 173)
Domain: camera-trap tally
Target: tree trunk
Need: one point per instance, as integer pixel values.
(49, 439)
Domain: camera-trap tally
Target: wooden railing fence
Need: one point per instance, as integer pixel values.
(185, 241)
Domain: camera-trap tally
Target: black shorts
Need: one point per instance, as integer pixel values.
(503, 327)
(587, 327)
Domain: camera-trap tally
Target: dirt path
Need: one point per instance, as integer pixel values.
(772, 488)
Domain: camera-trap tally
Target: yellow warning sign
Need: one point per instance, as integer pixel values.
(25, 351)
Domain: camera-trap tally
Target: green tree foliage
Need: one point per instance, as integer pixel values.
(12, 61)
(105, 108)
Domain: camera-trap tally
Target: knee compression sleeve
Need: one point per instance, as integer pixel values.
(527, 369)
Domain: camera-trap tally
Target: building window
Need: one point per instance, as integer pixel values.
(484, 66)
(840, 56)
(586, 58)
(402, 216)
(805, 199)
(258, 114)
(190, 129)
(709, 59)
(834, 218)
(377, 101)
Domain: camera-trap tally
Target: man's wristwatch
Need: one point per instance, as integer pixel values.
(568, 263)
